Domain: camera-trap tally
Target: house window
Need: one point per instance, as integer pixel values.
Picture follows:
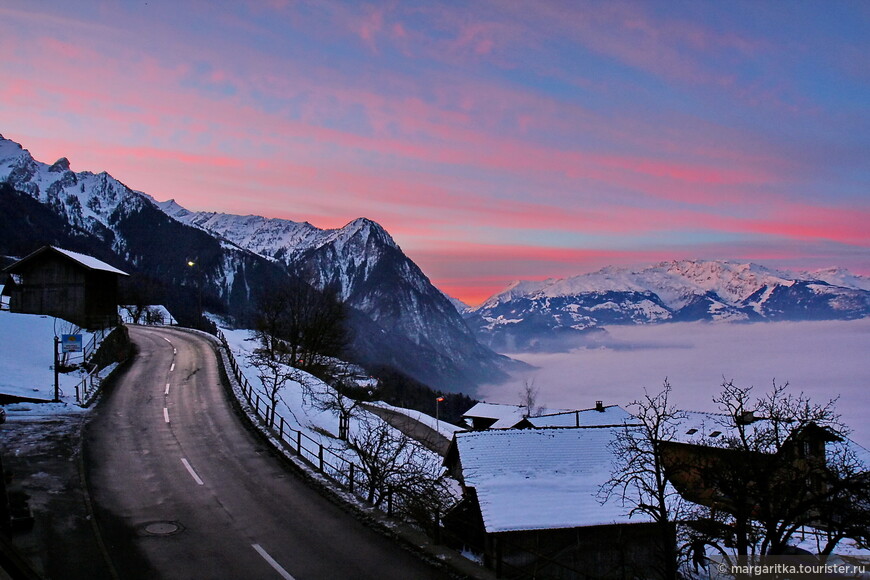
(691, 431)
(715, 433)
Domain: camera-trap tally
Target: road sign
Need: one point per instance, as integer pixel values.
(71, 342)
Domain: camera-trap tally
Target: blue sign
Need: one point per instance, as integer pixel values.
(71, 342)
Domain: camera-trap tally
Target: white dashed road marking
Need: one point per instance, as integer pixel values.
(191, 471)
(284, 573)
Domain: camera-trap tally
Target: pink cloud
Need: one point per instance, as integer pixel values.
(429, 156)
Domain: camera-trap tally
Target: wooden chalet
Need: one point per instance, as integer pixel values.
(65, 284)
(697, 460)
(531, 505)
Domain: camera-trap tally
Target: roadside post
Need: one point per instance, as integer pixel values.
(70, 343)
(56, 372)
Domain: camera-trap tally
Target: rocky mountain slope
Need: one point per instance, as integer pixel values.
(399, 318)
(368, 271)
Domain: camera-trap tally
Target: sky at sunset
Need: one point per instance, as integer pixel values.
(494, 140)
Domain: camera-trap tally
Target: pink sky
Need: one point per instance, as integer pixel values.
(496, 141)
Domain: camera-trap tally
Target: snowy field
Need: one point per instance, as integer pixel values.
(823, 359)
(26, 359)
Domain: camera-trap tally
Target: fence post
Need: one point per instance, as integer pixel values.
(350, 486)
(299, 442)
(281, 427)
(320, 457)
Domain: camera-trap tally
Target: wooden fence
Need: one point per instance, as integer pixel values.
(345, 473)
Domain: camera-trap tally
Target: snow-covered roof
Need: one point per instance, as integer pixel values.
(88, 262)
(506, 416)
(610, 415)
(698, 427)
(703, 428)
(530, 479)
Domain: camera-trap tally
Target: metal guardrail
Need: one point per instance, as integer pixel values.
(90, 384)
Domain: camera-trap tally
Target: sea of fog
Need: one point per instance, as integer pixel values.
(823, 359)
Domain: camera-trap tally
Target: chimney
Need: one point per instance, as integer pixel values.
(599, 406)
(746, 418)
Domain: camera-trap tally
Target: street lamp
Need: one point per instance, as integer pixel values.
(192, 264)
(437, 419)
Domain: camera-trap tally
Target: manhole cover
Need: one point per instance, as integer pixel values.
(162, 528)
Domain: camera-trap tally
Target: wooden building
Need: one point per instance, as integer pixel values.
(700, 461)
(69, 285)
(531, 505)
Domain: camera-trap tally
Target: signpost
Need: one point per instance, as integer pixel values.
(69, 343)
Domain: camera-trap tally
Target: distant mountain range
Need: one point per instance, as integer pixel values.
(552, 313)
(398, 318)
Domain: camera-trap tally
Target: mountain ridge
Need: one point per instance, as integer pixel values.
(528, 312)
(402, 319)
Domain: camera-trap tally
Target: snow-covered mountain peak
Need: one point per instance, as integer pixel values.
(279, 238)
(60, 165)
(12, 154)
(84, 199)
(732, 281)
(531, 314)
(170, 207)
(839, 277)
(358, 232)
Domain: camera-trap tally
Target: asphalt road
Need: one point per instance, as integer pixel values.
(181, 489)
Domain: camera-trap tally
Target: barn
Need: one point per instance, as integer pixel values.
(69, 285)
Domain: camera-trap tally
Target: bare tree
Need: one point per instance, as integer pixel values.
(135, 312)
(529, 398)
(310, 324)
(397, 467)
(274, 372)
(769, 474)
(641, 477)
(333, 398)
(154, 316)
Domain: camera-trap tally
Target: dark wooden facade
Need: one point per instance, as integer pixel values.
(71, 286)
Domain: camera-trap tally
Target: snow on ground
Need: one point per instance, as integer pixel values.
(156, 312)
(301, 414)
(441, 427)
(26, 342)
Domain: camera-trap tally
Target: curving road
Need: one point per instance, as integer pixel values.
(182, 490)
